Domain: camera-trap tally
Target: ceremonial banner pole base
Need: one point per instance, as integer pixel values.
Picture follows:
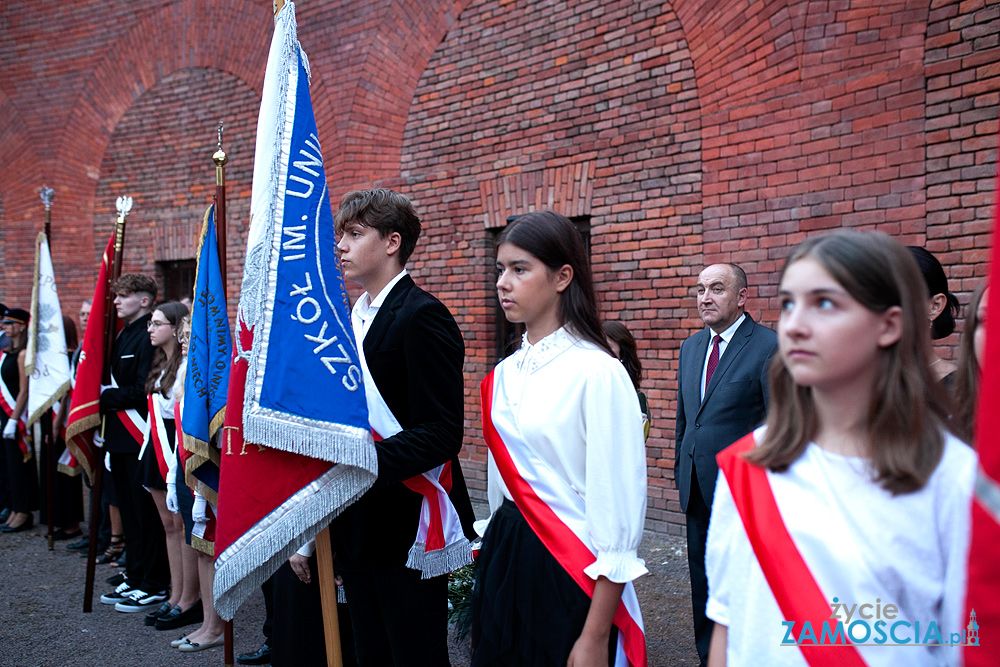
(93, 528)
(328, 597)
(227, 644)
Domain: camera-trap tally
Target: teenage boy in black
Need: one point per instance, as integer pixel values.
(123, 407)
(414, 355)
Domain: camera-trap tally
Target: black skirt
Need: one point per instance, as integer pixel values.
(526, 610)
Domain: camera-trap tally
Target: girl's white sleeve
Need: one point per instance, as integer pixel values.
(615, 491)
(723, 531)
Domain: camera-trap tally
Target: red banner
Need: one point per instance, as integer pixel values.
(85, 407)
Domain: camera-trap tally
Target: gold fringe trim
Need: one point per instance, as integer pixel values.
(78, 428)
(32, 351)
(56, 397)
(203, 545)
(66, 470)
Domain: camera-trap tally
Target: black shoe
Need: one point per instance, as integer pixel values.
(4, 513)
(153, 616)
(175, 618)
(81, 543)
(261, 656)
(61, 535)
(116, 579)
(27, 524)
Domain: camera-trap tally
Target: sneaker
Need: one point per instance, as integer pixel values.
(121, 592)
(139, 600)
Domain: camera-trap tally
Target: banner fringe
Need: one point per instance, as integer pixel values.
(440, 561)
(256, 555)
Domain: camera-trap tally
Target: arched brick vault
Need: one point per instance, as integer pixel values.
(512, 101)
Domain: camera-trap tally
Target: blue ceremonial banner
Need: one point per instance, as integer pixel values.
(298, 448)
(209, 355)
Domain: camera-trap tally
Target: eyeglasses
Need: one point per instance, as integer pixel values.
(153, 324)
(183, 336)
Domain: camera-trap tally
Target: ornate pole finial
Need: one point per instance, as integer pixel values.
(220, 158)
(124, 205)
(47, 195)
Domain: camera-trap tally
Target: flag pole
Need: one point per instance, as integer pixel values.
(124, 205)
(328, 598)
(220, 159)
(48, 441)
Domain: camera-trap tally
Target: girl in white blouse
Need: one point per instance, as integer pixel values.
(567, 473)
(839, 530)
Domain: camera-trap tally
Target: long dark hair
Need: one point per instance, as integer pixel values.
(968, 374)
(628, 353)
(554, 240)
(909, 409)
(937, 283)
(174, 311)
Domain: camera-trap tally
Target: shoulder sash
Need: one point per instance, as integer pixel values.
(798, 595)
(440, 545)
(557, 516)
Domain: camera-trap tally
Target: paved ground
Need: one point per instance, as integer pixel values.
(42, 622)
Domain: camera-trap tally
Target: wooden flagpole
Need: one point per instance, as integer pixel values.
(48, 441)
(221, 159)
(124, 205)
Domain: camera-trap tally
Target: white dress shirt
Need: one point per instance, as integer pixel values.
(577, 409)
(727, 336)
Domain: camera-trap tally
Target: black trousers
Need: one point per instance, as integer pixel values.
(146, 563)
(698, 513)
(67, 491)
(22, 478)
(297, 633)
(400, 620)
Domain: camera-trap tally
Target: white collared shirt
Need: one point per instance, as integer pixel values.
(727, 336)
(577, 410)
(366, 308)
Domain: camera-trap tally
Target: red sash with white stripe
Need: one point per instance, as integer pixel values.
(157, 436)
(557, 515)
(798, 595)
(131, 420)
(7, 403)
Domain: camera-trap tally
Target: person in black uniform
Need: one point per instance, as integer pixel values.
(22, 480)
(412, 361)
(123, 406)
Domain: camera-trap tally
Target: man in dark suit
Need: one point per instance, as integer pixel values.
(722, 394)
(412, 355)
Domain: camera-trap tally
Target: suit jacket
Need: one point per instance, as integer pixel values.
(131, 360)
(415, 354)
(735, 403)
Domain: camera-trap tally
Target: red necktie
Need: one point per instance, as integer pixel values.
(713, 360)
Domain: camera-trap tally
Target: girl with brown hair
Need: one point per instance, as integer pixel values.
(971, 352)
(22, 479)
(854, 492)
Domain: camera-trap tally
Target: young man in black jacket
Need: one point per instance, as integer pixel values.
(412, 354)
(123, 406)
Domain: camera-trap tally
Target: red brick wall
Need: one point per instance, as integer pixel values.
(171, 178)
(690, 132)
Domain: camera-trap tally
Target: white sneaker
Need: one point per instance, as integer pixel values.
(139, 600)
(121, 592)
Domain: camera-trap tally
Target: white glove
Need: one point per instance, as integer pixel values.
(98, 440)
(172, 498)
(105, 386)
(200, 510)
(107, 461)
(10, 430)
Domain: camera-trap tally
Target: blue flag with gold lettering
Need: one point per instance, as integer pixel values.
(298, 447)
(209, 354)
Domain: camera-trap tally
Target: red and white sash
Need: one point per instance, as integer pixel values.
(156, 433)
(798, 595)
(440, 545)
(557, 515)
(7, 402)
(131, 420)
